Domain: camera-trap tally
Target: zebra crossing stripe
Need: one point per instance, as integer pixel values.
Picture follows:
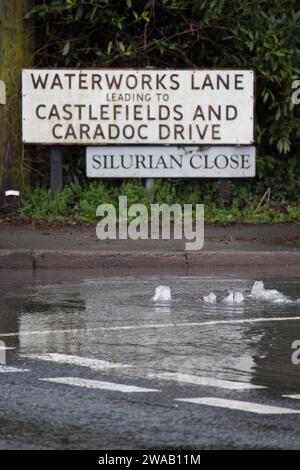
(205, 381)
(4, 369)
(94, 364)
(239, 405)
(98, 385)
(295, 397)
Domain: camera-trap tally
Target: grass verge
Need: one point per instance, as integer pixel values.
(78, 204)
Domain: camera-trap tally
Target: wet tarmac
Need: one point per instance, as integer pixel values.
(94, 363)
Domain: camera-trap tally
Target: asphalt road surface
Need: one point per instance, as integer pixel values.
(93, 363)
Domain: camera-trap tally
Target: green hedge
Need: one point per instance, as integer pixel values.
(259, 34)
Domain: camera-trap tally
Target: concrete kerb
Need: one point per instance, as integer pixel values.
(76, 259)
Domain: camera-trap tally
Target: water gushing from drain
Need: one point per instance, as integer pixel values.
(234, 297)
(162, 294)
(211, 298)
(259, 292)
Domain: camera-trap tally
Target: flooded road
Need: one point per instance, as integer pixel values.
(93, 362)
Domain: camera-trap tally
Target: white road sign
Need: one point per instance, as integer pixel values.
(170, 162)
(106, 106)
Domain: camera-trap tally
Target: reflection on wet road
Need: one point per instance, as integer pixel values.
(210, 365)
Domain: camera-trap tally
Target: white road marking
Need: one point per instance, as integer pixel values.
(99, 385)
(295, 397)
(95, 364)
(152, 325)
(239, 405)
(4, 368)
(205, 381)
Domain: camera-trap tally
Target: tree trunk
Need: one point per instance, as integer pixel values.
(16, 52)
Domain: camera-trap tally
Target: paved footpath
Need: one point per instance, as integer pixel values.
(27, 246)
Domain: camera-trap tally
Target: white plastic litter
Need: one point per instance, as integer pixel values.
(211, 298)
(162, 294)
(259, 292)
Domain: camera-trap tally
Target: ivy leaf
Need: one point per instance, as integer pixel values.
(79, 13)
(121, 46)
(109, 47)
(145, 16)
(93, 13)
(66, 48)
